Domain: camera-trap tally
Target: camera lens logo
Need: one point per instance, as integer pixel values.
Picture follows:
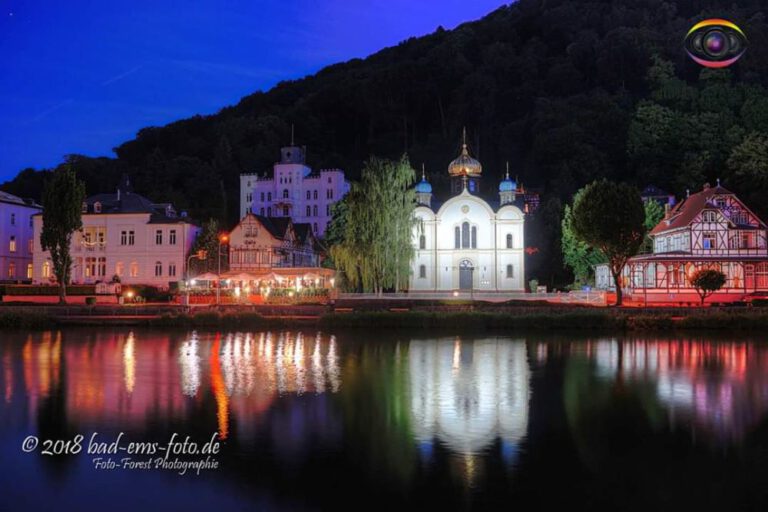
(715, 43)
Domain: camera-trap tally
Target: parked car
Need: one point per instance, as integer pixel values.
(759, 297)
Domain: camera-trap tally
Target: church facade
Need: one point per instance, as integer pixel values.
(466, 243)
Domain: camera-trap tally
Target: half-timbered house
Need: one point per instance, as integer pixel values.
(259, 243)
(708, 229)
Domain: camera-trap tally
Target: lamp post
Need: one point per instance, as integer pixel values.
(223, 239)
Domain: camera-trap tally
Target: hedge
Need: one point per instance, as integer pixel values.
(47, 290)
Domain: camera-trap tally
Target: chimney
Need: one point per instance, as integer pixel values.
(667, 210)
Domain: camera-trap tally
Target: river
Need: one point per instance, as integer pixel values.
(300, 420)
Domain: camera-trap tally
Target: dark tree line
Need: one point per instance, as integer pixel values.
(567, 91)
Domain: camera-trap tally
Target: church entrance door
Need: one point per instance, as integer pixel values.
(465, 275)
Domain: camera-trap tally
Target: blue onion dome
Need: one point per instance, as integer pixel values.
(507, 184)
(424, 187)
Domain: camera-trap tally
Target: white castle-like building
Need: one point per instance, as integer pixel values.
(466, 243)
(293, 190)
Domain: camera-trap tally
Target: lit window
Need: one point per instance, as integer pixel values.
(120, 268)
(30, 245)
(134, 271)
(97, 207)
(12, 244)
(47, 269)
(29, 270)
(11, 270)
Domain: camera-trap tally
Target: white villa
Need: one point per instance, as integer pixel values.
(709, 229)
(465, 243)
(126, 235)
(16, 237)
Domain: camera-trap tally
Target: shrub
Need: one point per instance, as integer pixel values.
(49, 290)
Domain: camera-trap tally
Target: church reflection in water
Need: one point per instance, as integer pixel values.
(467, 395)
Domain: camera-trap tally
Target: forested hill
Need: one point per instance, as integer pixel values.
(566, 91)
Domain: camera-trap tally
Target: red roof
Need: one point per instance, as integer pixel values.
(687, 209)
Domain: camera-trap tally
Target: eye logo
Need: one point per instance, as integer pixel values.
(715, 43)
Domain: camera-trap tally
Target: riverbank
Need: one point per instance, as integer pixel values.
(529, 318)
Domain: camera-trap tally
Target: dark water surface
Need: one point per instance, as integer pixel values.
(364, 421)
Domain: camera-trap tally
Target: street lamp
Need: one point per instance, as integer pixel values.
(223, 240)
(200, 255)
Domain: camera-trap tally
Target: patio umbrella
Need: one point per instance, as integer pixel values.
(208, 276)
(244, 276)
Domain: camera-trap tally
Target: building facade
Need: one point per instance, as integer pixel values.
(261, 243)
(466, 243)
(16, 237)
(293, 190)
(709, 229)
(126, 235)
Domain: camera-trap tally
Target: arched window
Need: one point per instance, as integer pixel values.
(261, 211)
(422, 242)
(510, 271)
(422, 271)
(47, 269)
(314, 210)
(308, 194)
(285, 193)
(457, 238)
(474, 237)
(309, 211)
(269, 211)
(465, 235)
(269, 196)
(509, 241)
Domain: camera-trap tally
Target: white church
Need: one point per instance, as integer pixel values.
(466, 243)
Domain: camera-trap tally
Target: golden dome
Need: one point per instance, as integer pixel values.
(465, 165)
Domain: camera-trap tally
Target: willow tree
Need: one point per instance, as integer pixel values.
(63, 196)
(376, 249)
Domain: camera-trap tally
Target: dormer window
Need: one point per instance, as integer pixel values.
(97, 207)
(709, 216)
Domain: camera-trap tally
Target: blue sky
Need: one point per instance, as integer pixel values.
(83, 76)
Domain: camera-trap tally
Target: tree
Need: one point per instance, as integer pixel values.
(749, 161)
(63, 195)
(577, 255)
(707, 281)
(653, 215)
(610, 217)
(376, 247)
(208, 241)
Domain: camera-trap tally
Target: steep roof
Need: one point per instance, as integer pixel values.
(5, 197)
(686, 210)
(277, 226)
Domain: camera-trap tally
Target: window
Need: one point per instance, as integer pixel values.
(740, 218)
(249, 197)
(134, 271)
(31, 221)
(761, 275)
(261, 211)
(97, 207)
(12, 244)
(90, 266)
(329, 194)
(315, 227)
(327, 210)
(474, 237)
(84, 208)
(285, 211)
(314, 194)
(422, 271)
(120, 268)
(708, 240)
(123, 238)
(509, 241)
(269, 196)
(262, 197)
(709, 216)
(11, 270)
(30, 245)
(465, 235)
(47, 269)
(314, 210)
(29, 271)
(13, 219)
(422, 242)
(309, 195)
(172, 237)
(720, 202)
(285, 193)
(101, 269)
(309, 211)
(158, 269)
(329, 179)
(269, 211)
(159, 237)
(172, 269)
(457, 238)
(510, 271)
(746, 240)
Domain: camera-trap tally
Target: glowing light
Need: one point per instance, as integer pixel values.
(237, 291)
(455, 294)
(129, 294)
(193, 282)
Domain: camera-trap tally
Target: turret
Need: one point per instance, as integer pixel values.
(507, 189)
(424, 190)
